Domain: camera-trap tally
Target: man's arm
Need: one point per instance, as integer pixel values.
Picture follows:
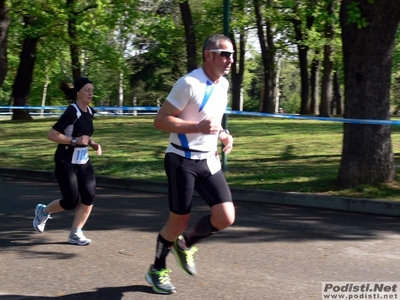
(167, 120)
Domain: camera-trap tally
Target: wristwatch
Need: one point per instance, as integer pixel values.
(74, 141)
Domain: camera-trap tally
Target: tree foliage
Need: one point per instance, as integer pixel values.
(134, 50)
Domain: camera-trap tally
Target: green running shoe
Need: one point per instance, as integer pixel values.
(160, 281)
(185, 258)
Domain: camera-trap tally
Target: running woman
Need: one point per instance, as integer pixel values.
(192, 114)
(73, 169)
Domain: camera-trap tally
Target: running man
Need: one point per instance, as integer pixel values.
(192, 114)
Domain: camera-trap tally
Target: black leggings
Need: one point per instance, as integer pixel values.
(74, 181)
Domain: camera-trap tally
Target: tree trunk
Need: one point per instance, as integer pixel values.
(4, 25)
(271, 79)
(303, 62)
(326, 95)
(301, 26)
(314, 84)
(238, 72)
(46, 85)
(337, 96)
(327, 84)
(267, 100)
(189, 35)
(121, 91)
(277, 92)
(367, 156)
(23, 79)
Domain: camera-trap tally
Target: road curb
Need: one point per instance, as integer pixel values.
(370, 206)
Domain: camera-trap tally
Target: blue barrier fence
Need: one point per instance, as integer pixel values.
(154, 109)
(98, 108)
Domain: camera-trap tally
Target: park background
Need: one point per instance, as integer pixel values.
(323, 58)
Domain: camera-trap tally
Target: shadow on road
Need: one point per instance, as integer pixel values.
(114, 293)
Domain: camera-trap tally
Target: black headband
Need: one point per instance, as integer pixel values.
(80, 83)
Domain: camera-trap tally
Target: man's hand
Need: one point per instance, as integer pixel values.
(227, 141)
(209, 126)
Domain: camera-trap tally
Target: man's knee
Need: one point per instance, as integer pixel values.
(223, 215)
(225, 222)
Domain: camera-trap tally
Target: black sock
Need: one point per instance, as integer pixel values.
(201, 230)
(162, 250)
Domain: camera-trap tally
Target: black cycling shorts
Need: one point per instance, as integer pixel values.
(188, 175)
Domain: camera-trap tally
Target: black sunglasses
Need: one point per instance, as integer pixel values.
(223, 53)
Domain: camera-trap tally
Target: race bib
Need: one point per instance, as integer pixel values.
(213, 163)
(80, 156)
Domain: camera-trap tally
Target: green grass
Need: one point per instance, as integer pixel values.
(271, 154)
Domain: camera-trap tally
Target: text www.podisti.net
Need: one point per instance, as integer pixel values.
(360, 290)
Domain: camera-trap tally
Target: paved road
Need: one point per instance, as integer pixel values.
(271, 252)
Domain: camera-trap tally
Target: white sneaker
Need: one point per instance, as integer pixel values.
(77, 238)
(39, 222)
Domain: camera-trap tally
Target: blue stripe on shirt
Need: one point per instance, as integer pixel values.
(207, 94)
(184, 143)
(182, 137)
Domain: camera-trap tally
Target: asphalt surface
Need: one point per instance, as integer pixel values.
(272, 252)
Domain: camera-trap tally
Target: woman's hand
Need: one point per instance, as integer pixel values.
(95, 147)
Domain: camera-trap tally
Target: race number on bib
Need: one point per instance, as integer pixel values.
(213, 163)
(80, 156)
